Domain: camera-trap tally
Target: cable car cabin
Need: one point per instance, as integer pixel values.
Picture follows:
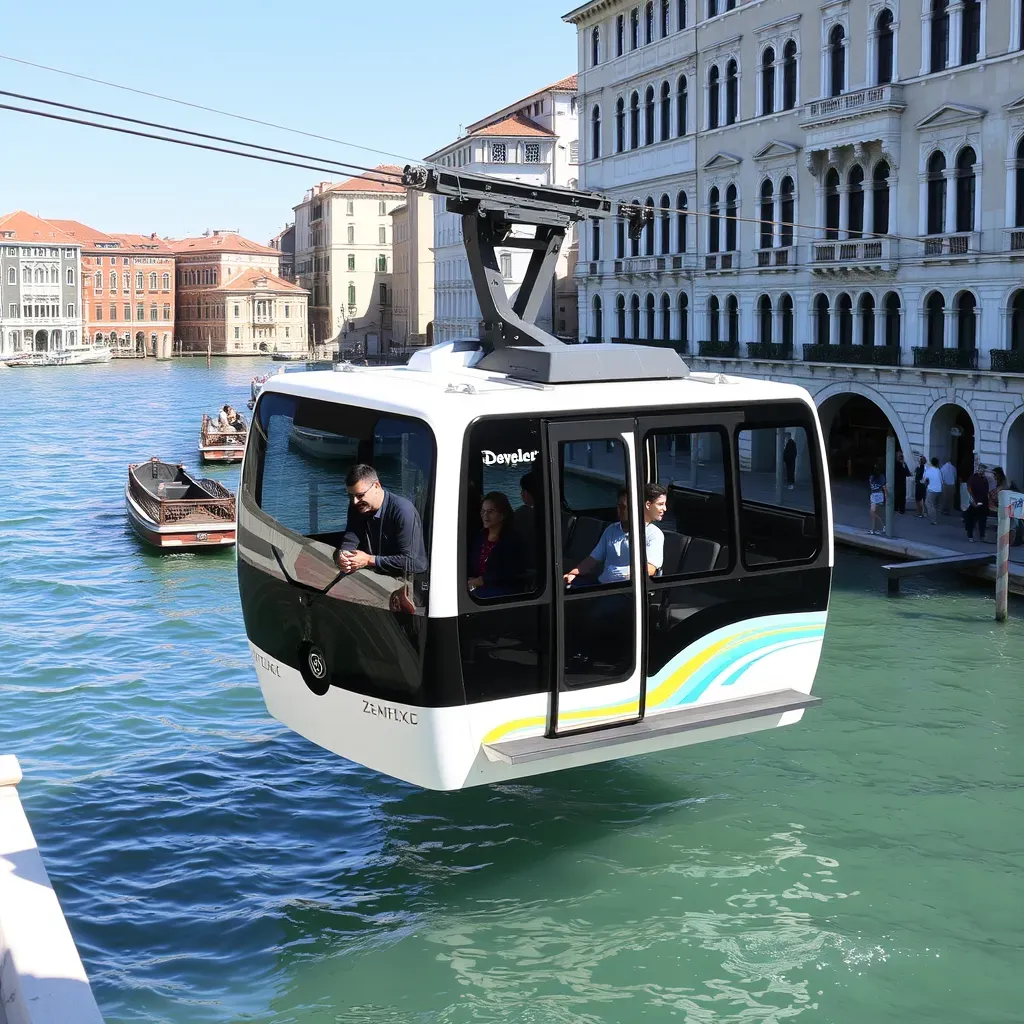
(467, 659)
(513, 556)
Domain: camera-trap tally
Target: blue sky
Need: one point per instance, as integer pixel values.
(402, 81)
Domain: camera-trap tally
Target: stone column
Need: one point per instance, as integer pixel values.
(825, 68)
(926, 41)
(869, 208)
(833, 323)
(819, 209)
(949, 174)
(956, 33)
(1011, 194)
(844, 211)
(872, 43)
(777, 220)
(922, 204)
(949, 328)
(858, 327)
(777, 323)
(896, 51)
(984, 28)
(880, 322)
(977, 168)
(780, 81)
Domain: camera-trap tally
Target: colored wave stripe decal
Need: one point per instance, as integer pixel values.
(692, 672)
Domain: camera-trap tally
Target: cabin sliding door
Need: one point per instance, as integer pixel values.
(597, 524)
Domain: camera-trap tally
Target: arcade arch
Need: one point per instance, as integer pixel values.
(856, 421)
(951, 433)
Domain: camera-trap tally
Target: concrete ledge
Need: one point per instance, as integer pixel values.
(42, 980)
(852, 537)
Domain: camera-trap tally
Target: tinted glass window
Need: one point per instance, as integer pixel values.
(693, 468)
(780, 520)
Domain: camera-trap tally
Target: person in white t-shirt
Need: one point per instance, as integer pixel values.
(933, 490)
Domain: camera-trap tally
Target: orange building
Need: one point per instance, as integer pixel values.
(127, 289)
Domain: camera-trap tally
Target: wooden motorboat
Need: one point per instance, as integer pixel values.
(217, 445)
(170, 509)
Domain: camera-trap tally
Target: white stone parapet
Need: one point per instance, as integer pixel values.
(42, 980)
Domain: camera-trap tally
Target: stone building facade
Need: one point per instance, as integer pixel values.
(413, 274)
(40, 286)
(838, 200)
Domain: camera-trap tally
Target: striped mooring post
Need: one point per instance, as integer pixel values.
(1011, 508)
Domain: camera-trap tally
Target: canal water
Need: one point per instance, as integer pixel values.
(864, 865)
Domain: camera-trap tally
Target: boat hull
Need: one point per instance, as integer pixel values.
(215, 534)
(219, 453)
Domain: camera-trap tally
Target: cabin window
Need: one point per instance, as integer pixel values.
(780, 514)
(371, 624)
(693, 467)
(503, 642)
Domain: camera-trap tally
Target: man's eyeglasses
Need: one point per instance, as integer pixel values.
(359, 495)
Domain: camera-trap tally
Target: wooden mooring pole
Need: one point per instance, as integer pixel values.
(1011, 508)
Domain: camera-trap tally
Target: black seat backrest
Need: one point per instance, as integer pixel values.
(586, 532)
(675, 550)
(701, 555)
(567, 521)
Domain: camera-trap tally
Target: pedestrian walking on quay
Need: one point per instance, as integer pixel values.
(789, 460)
(976, 513)
(899, 484)
(949, 497)
(876, 485)
(933, 490)
(920, 488)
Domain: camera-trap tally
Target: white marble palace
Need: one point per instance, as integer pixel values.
(838, 195)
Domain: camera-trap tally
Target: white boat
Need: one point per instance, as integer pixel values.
(75, 355)
(322, 444)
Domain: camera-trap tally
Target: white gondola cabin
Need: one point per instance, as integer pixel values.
(473, 660)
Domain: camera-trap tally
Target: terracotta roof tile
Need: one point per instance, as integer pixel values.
(82, 233)
(223, 241)
(23, 227)
(88, 237)
(144, 243)
(515, 124)
(254, 280)
(368, 183)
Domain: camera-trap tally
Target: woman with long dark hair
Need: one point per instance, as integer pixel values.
(496, 555)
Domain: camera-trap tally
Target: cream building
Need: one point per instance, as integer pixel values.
(531, 140)
(413, 271)
(229, 298)
(838, 194)
(343, 258)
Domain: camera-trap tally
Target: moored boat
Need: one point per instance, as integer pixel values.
(217, 445)
(76, 355)
(170, 509)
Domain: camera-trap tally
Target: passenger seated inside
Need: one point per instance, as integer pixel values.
(612, 554)
(496, 554)
(526, 516)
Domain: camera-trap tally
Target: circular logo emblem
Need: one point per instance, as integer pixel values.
(317, 664)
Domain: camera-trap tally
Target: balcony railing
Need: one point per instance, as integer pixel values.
(768, 350)
(858, 355)
(1007, 362)
(964, 243)
(852, 104)
(721, 261)
(780, 257)
(685, 261)
(1015, 240)
(853, 252)
(946, 358)
(642, 265)
(720, 349)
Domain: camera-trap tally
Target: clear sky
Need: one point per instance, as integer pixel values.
(398, 76)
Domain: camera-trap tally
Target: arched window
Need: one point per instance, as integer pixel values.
(649, 115)
(620, 125)
(666, 318)
(713, 97)
(595, 132)
(113, 279)
(12, 276)
(665, 118)
(856, 201)
(681, 15)
(965, 189)
(634, 28)
(940, 35)
(764, 320)
(732, 313)
(1017, 322)
(649, 228)
(597, 325)
(152, 282)
(666, 17)
(595, 47)
(788, 212)
(731, 213)
(649, 309)
(970, 32)
(832, 204)
(934, 320)
(620, 316)
(714, 221)
(885, 52)
(165, 282)
(649, 22)
(1019, 175)
(98, 279)
(880, 183)
(936, 194)
(866, 315)
(821, 319)
(891, 306)
(789, 75)
(844, 309)
(837, 60)
(966, 322)
(620, 35)
(634, 309)
(681, 106)
(768, 81)
(681, 208)
(684, 326)
(786, 306)
(766, 217)
(714, 325)
(732, 93)
(634, 120)
(666, 225)
(712, 8)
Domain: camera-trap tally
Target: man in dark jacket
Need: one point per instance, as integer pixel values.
(789, 460)
(384, 530)
(977, 508)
